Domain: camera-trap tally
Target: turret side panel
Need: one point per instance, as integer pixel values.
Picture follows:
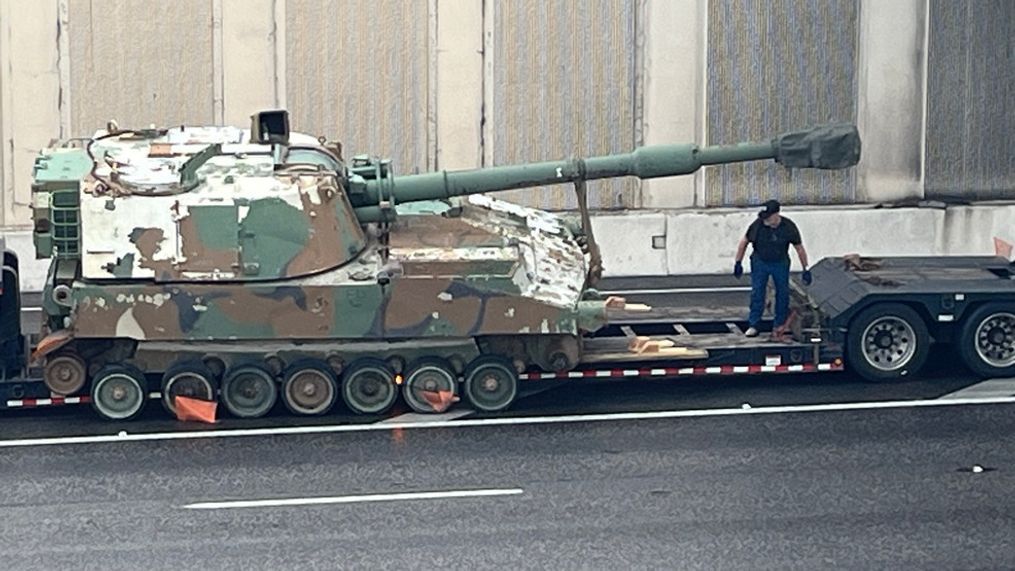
(237, 219)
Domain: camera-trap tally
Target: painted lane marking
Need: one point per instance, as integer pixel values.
(677, 290)
(507, 421)
(991, 388)
(353, 499)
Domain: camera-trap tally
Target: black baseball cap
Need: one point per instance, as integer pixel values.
(771, 207)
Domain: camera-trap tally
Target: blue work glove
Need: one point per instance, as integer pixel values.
(807, 277)
(738, 270)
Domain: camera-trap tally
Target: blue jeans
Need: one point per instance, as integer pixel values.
(761, 271)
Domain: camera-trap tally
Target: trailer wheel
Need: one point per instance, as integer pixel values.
(188, 379)
(887, 342)
(119, 392)
(249, 391)
(986, 340)
(368, 386)
(491, 383)
(309, 388)
(430, 385)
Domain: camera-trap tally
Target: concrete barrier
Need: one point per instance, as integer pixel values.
(705, 241)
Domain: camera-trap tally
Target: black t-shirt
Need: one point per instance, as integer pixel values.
(772, 244)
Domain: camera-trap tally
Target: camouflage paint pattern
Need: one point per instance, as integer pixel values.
(497, 273)
(241, 219)
(194, 237)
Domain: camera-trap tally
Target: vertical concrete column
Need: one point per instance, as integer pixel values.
(30, 111)
(248, 58)
(892, 99)
(459, 83)
(673, 107)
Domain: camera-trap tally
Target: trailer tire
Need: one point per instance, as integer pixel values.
(986, 341)
(887, 342)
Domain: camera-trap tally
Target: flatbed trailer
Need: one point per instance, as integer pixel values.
(604, 361)
(878, 317)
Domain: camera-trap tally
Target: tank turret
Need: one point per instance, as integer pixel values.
(257, 264)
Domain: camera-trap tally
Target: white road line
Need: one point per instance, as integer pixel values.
(992, 388)
(353, 499)
(505, 421)
(677, 290)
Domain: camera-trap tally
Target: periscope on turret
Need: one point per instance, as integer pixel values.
(228, 260)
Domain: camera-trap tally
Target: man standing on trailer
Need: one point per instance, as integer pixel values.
(770, 236)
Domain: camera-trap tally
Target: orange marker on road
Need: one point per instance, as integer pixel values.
(195, 409)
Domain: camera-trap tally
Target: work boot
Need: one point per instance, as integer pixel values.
(751, 332)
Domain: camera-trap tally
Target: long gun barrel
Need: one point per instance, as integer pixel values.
(833, 146)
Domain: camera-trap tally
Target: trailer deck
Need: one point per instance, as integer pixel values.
(944, 285)
(689, 338)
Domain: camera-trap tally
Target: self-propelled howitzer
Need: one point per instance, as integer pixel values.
(256, 265)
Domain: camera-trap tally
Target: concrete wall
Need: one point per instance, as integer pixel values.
(350, 76)
(564, 85)
(466, 83)
(971, 99)
(677, 242)
(763, 80)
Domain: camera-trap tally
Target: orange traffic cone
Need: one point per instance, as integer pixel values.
(439, 400)
(195, 409)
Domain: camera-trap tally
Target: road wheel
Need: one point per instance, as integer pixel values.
(188, 379)
(309, 388)
(491, 383)
(987, 340)
(887, 342)
(368, 387)
(65, 374)
(249, 391)
(430, 386)
(119, 392)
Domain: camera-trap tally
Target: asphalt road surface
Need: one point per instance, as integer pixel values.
(817, 472)
(769, 472)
